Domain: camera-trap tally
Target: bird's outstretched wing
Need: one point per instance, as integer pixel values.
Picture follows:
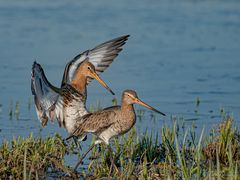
(45, 94)
(101, 57)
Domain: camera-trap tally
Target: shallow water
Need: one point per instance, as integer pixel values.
(177, 52)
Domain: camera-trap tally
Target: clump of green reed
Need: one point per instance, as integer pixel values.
(176, 155)
(114, 101)
(11, 110)
(17, 111)
(140, 113)
(31, 158)
(100, 166)
(97, 107)
(134, 157)
(223, 151)
(14, 111)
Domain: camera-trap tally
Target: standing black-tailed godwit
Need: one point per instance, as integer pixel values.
(110, 122)
(67, 104)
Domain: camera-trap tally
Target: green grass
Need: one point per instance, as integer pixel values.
(171, 153)
(30, 157)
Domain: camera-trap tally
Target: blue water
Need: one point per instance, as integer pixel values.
(177, 52)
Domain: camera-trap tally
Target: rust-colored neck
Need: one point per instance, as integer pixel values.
(80, 83)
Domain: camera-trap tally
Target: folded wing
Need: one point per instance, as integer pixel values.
(101, 57)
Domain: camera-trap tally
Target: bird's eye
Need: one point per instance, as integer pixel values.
(89, 68)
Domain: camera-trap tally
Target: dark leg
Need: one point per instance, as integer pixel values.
(77, 144)
(69, 137)
(112, 162)
(75, 139)
(99, 148)
(83, 156)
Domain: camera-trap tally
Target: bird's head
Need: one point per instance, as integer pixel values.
(130, 97)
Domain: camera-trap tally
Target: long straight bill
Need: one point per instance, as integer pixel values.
(149, 107)
(96, 76)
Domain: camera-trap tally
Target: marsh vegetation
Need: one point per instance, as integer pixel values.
(174, 153)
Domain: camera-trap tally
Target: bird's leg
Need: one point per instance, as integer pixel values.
(66, 139)
(112, 161)
(69, 137)
(99, 148)
(75, 139)
(78, 145)
(83, 156)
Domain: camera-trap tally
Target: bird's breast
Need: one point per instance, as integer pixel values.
(125, 122)
(73, 108)
(72, 114)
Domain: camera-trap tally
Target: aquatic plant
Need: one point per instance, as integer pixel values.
(97, 107)
(174, 153)
(114, 101)
(31, 158)
(17, 112)
(176, 156)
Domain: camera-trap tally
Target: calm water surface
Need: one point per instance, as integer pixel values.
(177, 52)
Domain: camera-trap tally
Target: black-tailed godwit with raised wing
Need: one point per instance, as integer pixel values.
(67, 104)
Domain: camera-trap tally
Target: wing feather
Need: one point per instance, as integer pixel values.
(96, 122)
(45, 94)
(101, 57)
